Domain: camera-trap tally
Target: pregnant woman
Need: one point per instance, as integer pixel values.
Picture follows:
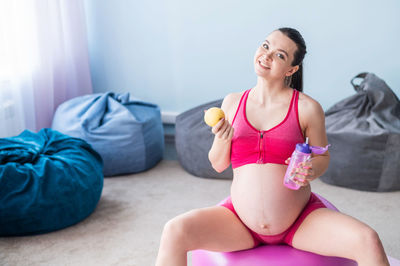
(258, 135)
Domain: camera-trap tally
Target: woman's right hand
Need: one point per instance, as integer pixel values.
(223, 130)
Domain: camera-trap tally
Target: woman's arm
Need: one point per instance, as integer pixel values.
(313, 118)
(316, 133)
(220, 152)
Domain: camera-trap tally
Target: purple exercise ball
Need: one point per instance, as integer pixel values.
(269, 255)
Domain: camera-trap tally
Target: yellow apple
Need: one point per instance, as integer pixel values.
(213, 115)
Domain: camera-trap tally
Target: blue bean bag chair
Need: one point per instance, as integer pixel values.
(48, 181)
(127, 134)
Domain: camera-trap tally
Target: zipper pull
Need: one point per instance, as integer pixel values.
(260, 151)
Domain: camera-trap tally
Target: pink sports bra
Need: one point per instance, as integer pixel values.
(250, 145)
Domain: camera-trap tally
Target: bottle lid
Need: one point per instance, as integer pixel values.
(303, 147)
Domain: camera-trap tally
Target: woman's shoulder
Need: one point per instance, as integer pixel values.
(231, 103)
(308, 106)
(233, 97)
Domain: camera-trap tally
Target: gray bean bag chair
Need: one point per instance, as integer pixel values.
(127, 134)
(364, 130)
(193, 140)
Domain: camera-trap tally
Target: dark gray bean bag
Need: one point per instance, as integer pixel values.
(193, 140)
(364, 130)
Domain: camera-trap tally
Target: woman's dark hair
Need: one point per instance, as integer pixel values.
(295, 36)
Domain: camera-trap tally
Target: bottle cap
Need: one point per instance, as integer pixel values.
(303, 147)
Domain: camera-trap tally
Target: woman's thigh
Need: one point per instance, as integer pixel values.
(213, 228)
(332, 233)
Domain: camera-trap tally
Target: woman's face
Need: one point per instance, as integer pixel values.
(274, 57)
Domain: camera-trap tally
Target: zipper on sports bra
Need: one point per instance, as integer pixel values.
(260, 153)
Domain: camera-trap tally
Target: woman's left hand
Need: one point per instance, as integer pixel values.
(304, 173)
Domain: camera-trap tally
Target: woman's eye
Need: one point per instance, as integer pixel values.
(280, 56)
(265, 45)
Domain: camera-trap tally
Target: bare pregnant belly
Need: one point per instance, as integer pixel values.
(261, 200)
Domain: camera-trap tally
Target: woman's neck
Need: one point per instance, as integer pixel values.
(267, 91)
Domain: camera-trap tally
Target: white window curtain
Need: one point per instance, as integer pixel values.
(43, 61)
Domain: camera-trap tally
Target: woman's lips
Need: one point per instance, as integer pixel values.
(263, 65)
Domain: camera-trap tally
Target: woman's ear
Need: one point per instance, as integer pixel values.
(292, 70)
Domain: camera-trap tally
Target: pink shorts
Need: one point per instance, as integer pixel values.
(286, 237)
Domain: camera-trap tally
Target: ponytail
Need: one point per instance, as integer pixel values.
(297, 79)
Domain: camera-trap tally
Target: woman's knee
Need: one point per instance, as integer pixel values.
(370, 248)
(179, 229)
(369, 241)
(372, 238)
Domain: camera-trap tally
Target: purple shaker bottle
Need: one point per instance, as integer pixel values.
(301, 154)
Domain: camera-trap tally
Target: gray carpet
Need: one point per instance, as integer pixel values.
(125, 228)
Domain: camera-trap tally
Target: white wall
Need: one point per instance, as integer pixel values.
(181, 53)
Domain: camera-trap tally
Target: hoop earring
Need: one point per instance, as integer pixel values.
(288, 80)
